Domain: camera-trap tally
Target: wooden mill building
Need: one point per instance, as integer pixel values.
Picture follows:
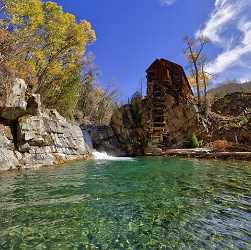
(169, 108)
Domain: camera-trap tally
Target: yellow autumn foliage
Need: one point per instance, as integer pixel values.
(50, 44)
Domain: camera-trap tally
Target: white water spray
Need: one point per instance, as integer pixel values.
(104, 156)
(100, 155)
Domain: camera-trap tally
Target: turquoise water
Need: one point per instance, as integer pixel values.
(147, 203)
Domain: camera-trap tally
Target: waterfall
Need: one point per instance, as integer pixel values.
(88, 139)
(99, 155)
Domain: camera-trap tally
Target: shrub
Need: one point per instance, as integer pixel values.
(195, 141)
(136, 103)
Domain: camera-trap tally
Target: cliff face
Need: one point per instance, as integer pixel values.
(233, 104)
(129, 132)
(230, 120)
(33, 137)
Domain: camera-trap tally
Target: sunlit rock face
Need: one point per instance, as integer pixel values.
(49, 139)
(8, 155)
(13, 101)
(31, 136)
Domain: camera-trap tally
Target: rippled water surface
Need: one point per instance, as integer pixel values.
(147, 203)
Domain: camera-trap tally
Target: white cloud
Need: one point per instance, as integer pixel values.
(229, 57)
(222, 14)
(167, 2)
(229, 15)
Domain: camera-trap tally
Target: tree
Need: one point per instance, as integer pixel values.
(204, 80)
(52, 44)
(136, 104)
(194, 54)
(95, 104)
(6, 69)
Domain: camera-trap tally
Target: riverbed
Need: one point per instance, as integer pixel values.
(140, 203)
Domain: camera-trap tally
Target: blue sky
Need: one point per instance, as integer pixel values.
(133, 33)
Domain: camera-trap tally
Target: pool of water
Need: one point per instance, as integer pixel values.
(145, 203)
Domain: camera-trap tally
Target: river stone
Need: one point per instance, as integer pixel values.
(15, 103)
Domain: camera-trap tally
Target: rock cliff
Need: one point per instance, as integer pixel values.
(233, 104)
(129, 131)
(31, 136)
(230, 121)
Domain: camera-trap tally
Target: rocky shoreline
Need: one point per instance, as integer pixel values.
(205, 153)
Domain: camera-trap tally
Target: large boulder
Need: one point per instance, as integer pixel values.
(14, 102)
(8, 159)
(31, 132)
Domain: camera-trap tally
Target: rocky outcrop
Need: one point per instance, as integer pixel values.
(13, 103)
(49, 139)
(236, 130)
(33, 137)
(128, 130)
(174, 129)
(102, 139)
(139, 139)
(230, 121)
(233, 104)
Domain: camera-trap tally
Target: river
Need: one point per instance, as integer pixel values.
(141, 203)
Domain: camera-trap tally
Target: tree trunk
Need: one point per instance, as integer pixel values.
(205, 92)
(197, 86)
